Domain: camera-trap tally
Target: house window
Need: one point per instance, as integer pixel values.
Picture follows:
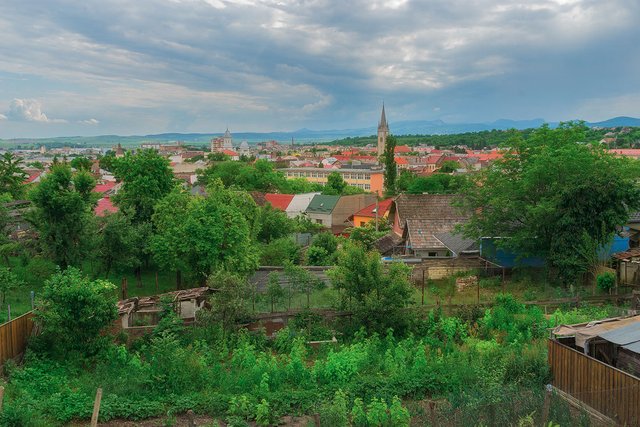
(367, 186)
(318, 221)
(432, 254)
(362, 223)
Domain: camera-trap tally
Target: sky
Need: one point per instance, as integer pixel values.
(135, 67)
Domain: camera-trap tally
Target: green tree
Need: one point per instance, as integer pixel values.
(272, 224)
(81, 162)
(274, 292)
(228, 303)
(201, 235)
(302, 280)
(146, 178)
(390, 167)
(438, 183)
(121, 244)
(322, 250)
(62, 214)
(405, 180)
(367, 235)
(74, 312)
(12, 175)
(8, 282)
(280, 251)
(552, 195)
(335, 184)
(449, 166)
(374, 294)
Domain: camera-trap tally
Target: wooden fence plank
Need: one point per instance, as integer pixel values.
(606, 389)
(14, 336)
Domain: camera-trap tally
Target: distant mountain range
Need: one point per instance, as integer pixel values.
(407, 127)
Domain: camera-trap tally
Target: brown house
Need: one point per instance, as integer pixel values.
(427, 223)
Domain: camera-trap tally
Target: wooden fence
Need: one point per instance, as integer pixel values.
(604, 388)
(14, 335)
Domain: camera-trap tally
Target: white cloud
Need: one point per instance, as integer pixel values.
(29, 110)
(3, 117)
(89, 122)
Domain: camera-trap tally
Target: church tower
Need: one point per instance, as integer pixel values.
(228, 140)
(383, 131)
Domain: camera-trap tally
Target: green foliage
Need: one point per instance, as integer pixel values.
(81, 162)
(398, 415)
(121, 244)
(438, 183)
(274, 292)
(606, 281)
(62, 214)
(335, 413)
(335, 184)
(281, 251)
(272, 224)
(259, 176)
(228, 302)
(449, 166)
(12, 175)
(390, 167)
(322, 250)
(552, 196)
(358, 414)
(264, 416)
(201, 235)
(146, 178)
(73, 311)
(8, 282)
(376, 296)
(367, 235)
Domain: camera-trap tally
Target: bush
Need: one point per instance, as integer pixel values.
(606, 281)
(335, 414)
(74, 311)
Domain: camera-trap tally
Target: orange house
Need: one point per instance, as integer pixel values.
(368, 214)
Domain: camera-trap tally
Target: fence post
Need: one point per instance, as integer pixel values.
(547, 404)
(8, 312)
(96, 408)
(1, 396)
(33, 299)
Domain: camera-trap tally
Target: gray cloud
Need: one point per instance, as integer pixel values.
(197, 65)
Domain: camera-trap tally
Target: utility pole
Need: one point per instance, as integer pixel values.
(376, 210)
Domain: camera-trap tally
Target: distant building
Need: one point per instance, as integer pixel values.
(224, 143)
(366, 178)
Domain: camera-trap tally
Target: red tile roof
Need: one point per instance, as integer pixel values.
(433, 159)
(32, 177)
(368, 211)
(103, 188)
(631, 152)
(105, 206)
(402, 149)
(279, 201)
(230, 153)
(401, 161)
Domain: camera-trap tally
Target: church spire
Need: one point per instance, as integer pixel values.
(383, 119)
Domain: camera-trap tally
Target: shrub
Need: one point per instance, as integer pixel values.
(398, 415)
(335, 414)
(358, 414)
(74, 311)
(377, 413)
(606, 281)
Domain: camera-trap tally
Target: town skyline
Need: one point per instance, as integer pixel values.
(198, 66)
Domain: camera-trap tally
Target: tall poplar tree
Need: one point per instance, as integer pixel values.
(390, 167)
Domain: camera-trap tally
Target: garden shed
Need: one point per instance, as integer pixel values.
(615, 341)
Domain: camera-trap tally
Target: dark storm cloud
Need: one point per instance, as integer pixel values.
(197, 65)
